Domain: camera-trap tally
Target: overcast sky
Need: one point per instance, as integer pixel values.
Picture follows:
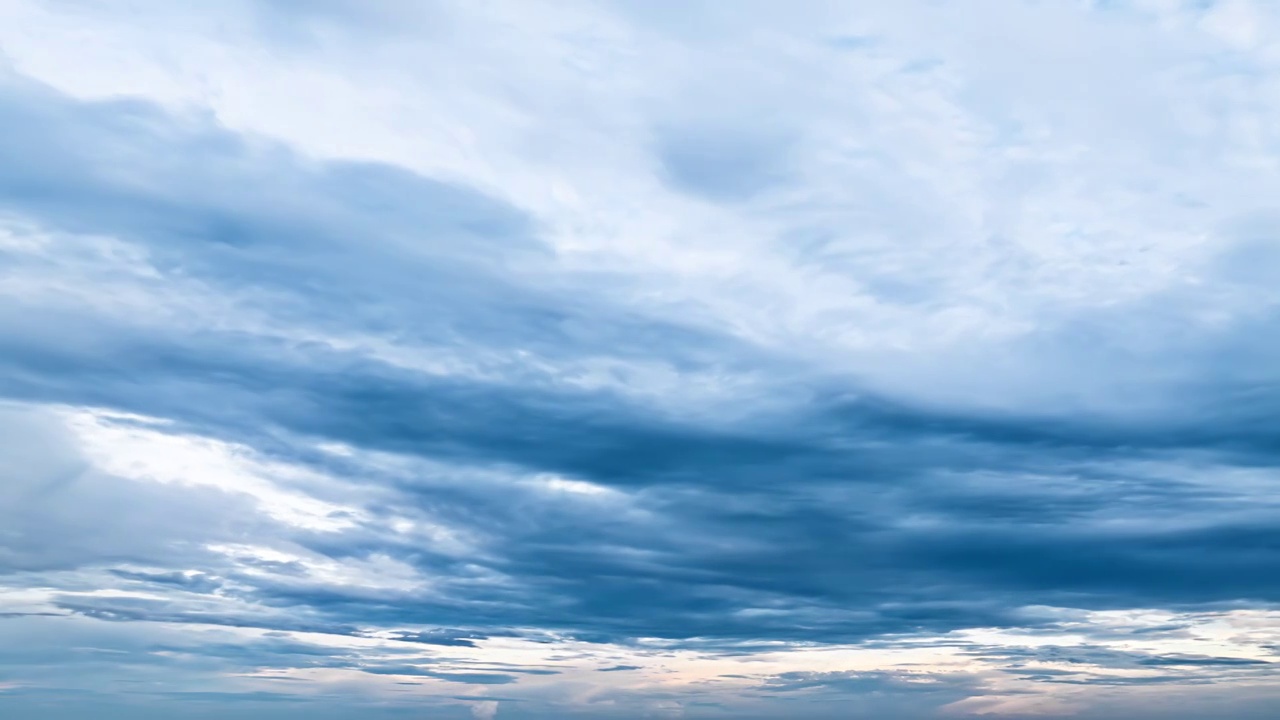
(898, 359)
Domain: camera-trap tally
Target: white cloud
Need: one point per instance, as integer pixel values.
(965, 181)
(142, 453)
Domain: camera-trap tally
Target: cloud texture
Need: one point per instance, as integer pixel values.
(618, 359)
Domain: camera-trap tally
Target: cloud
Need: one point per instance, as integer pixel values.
(906, 360)
(721, 163)
(467, 678)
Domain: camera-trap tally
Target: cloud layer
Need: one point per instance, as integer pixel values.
(614, 360)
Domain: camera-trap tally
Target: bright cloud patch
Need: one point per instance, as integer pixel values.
(627, 359)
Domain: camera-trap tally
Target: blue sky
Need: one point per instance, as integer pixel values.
(899, 359)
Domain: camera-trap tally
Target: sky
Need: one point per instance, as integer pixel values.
(525, 359)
